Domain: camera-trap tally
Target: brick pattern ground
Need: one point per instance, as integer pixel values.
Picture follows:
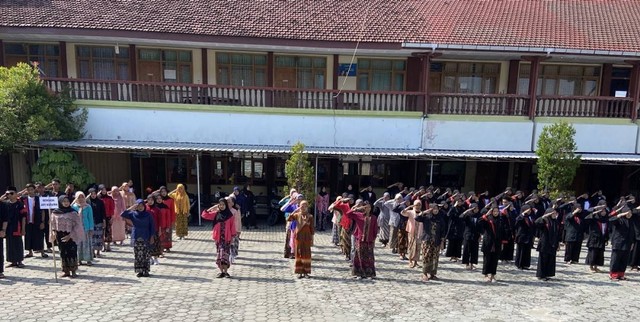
(264, 288)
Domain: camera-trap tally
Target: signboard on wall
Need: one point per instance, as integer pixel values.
(347, 69)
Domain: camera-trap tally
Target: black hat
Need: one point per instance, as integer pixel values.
(12, 188)
(549, 210)
(525, 208)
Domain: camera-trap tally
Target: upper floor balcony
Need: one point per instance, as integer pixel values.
(367, 101)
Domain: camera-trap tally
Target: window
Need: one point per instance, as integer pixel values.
(241, 69)
(47, 57)
(175, 65)
(301, 72)
(381, 75)
(182, 170)
(102, 62)
(247, 170)
(563, 80)
(477, 78)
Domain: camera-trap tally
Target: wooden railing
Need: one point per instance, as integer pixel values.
(134, 91)
(584, 106)
(478, 104)
(438, 103)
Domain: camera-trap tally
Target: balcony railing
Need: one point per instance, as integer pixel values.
(134, 91)
(478, 104)
(585, 106)
(437, 103)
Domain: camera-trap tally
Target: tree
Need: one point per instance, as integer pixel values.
(557, 161)
(62, 165)
(30, 112)
(300, 173)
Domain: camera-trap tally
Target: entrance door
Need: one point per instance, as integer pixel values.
(150, 71)
(285, 78)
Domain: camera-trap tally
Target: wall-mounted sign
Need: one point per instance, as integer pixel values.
(347, 69)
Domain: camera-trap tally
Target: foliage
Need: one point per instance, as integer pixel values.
(30, 112)
(62, 165)
(299, 172)
(557, 161)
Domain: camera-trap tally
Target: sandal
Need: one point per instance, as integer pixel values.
(28, 256)
(44, 255)
(2, 276)
(20, 265)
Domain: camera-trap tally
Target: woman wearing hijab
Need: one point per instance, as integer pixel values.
(322, 206)
(156, 247)
(366, 230)
(237, 219)
(142, 232)
(224, 228)
(85, 249)
(97, 207)
(164, 226)
(492, 229)
(118, 230)
(304, 239)
(66, 231)
(414, 230)
(432, 237)
(549, 230)
(182, 206)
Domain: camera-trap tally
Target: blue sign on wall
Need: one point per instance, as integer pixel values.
(344, 69)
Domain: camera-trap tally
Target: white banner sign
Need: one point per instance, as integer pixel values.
(48, 202)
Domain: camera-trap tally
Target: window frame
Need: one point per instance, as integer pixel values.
(301, 69)
(229, 68)
(483, 75)
(544, 78)
(118, 58)
(29, 57)
(163, 61)
(393, 73)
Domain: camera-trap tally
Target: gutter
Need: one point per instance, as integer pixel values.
(523, 49)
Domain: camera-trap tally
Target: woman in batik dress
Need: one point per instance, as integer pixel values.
(365, 233)
(304, 239)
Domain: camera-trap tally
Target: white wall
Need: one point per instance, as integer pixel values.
(477, 135)
(602, 138)
(253, 128)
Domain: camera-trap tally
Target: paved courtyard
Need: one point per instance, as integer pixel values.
(264, 288)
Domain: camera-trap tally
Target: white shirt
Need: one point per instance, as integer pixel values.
(31, 204)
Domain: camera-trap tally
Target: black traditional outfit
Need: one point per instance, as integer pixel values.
(508, 219)
(15, 220)
(622, 234)
(492, 228)
(455, 232)
(573, 236)
(634, 261)
(598, 225)
(524, 232)
(471, 237)
(547, 245)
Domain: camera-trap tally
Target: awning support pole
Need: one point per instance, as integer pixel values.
(315, 190)
(431, 173)
(199, 191)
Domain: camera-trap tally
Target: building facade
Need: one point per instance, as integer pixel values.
(449, 93)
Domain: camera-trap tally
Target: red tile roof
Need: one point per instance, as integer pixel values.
(575, 24)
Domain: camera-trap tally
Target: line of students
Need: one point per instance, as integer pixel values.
(84, 226)
(424, 223)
